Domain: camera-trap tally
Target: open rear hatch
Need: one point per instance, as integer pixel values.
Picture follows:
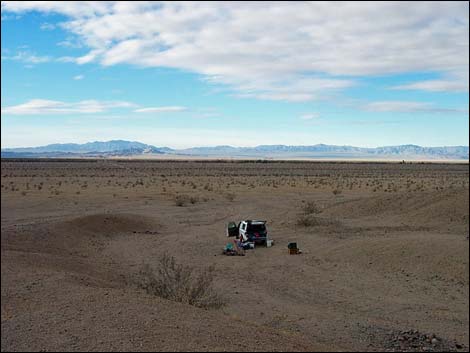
(232, 229)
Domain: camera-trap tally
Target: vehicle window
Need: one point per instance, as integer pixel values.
(257, 228)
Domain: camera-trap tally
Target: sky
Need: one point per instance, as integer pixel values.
(184, 74)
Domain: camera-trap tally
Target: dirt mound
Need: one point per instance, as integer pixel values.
(78, 247)
(80, 234)
(441, 209)
(112, 224)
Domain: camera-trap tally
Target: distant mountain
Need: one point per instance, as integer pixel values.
(97, 146)
(221, 150)
(319, 151)
(458, 152)
(332, 151)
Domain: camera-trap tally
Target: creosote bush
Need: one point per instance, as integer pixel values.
(180, 283)
(307, 221)
(181, 200)
(337, 191)
(230, 197)
(311, 207)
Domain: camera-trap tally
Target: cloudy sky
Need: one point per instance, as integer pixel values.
(192, 74)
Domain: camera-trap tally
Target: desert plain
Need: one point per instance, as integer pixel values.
(384, 263)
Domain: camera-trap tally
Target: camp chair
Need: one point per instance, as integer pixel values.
(240, 250)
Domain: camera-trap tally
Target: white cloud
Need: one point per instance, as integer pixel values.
(8, 18)
(395, 106)
(161, 109)
(450, 85)
(47, 26)
(27, 57)
(294, 51)
(66, 59)
(70, 42)
(409, 107)
(451, 81)
(43, 106)
(310, 116)
(85, 59)
(78, 77)
(72, 8)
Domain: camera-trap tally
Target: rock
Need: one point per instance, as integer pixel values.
(434, 341)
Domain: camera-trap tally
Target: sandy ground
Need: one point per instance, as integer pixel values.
(387, 252)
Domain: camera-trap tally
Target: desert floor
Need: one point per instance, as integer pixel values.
(385, 250)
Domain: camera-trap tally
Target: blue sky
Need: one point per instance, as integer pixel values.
(204, 74)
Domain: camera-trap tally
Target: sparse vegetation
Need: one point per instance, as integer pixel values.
(211, 178)
(307, 221)
(418, 213)
(310, 207)
(180, 283)
(181, 200)
(337, 192)
(230, 196)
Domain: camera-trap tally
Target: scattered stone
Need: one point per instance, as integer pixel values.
(410, 341)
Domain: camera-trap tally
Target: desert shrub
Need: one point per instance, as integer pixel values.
(230, 196)
(182, 199)
(311, 207)
(307, 221)
(208, 187)
(312, 221)
(180, 283)
(337, 191)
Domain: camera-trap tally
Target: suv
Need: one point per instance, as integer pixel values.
(253, 231)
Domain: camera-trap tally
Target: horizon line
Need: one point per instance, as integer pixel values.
(232, 146)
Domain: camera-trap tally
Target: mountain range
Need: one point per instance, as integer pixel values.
(116, 148)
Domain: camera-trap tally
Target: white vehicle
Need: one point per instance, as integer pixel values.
(253, 231)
